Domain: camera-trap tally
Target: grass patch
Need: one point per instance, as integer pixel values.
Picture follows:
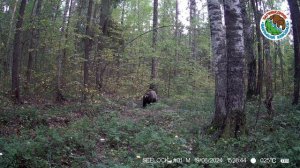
(97, 135)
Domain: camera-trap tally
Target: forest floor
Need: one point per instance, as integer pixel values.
(122, 134)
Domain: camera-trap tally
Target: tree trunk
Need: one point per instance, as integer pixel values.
(279, 52)
(123, 13)
(55, 10)
(98, 77)
(249, 51)
(295, 13)
(176, 38)
(17, 54)
(235, 124)
(78, 41)
(65, 58)
(105, 16)
(59, 94)
(154, 67)
(7, 56)
(259, 83)
(33, 41)
(31, 47)
(192, 32)
(220, 64)
(87, 49)
(268, 69)
(275, 68)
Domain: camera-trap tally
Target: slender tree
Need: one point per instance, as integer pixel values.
(268, 79)
(106, 9)
(17, 54)
(257, 16)
(7, 53)
(280, 55)
(154, 67)
(176, 36)
(105, 17)
(59, 95)
(87, 49)
(295, 13)
(249, 51)
(235, 123)
(33, 40)
(275, 68)
(67, 32)
(78, 29)
(220, 64)
(192, 32)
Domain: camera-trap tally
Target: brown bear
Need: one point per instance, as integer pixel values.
(149, 97)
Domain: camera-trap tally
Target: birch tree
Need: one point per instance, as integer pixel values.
(219, 52)
(235, 124)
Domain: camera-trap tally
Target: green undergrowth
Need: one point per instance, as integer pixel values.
(98, 135)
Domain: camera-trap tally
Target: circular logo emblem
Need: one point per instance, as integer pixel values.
(275, 25)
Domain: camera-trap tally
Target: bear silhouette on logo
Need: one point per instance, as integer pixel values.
(279, 21)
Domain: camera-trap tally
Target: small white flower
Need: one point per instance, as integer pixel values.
(138, 156)
(1, 154)
(176, 136)
(102, 139)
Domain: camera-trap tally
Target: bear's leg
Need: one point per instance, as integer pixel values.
(144, 102)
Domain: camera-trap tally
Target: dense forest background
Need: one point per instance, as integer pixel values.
(73, 73)
(72, 49)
